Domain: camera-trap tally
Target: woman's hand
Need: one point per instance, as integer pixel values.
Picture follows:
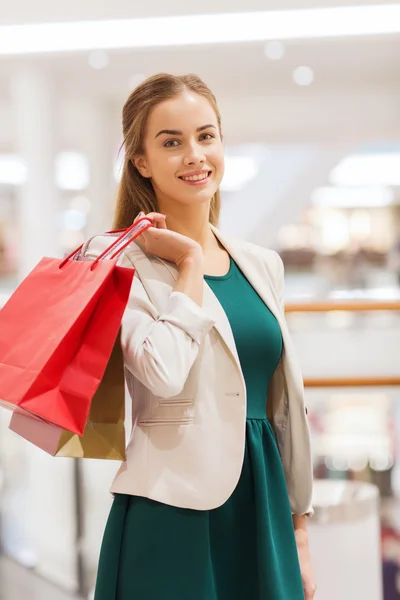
(306, 569)
(169, 245)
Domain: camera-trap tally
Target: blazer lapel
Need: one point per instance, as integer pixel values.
(250, 263)
(253, 267)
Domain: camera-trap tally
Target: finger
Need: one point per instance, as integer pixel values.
(161, 222)
(138, 216)
(158, 219)
(154, 216)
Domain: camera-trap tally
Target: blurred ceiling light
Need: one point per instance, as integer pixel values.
(357, 463)
(381, 462)
(334, 231)
(239, 170)
(360, 225)
(352, 197)
(72, 171)
(339, 463)
(200, 29)
(303, 75)
(12, 169)
(98, 59)
(367, 169)
(294, 236)
(274, 50)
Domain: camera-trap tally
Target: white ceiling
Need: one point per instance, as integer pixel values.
(346, 62)
(40, 11)
(354, 98)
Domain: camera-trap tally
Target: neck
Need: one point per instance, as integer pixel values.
(193, 224)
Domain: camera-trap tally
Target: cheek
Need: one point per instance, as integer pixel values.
(164, 167)
(222, 166)
(216, 157)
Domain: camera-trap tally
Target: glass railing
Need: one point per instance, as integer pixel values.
(352, 392)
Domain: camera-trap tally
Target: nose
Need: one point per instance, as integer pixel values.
(194, 155)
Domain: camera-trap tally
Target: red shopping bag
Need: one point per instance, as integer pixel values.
(57, 332)
(104, 436)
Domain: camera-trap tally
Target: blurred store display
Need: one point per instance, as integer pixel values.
(356, 438)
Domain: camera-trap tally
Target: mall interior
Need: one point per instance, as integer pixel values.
(309, 94)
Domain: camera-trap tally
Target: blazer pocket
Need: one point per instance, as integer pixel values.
(162, 421)
(170, 414)
(176, 402)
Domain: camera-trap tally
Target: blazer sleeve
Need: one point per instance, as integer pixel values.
(280, 290)
(159, 349)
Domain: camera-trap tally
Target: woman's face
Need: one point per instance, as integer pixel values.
(183, 151)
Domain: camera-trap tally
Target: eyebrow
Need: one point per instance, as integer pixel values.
(177, 132)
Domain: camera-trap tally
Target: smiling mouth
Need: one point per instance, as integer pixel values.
(200, 177)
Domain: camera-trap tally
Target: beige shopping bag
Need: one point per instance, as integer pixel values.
(104, 435)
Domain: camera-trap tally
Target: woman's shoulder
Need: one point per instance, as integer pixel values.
(267, 253)
(273, 264)
(270, 257)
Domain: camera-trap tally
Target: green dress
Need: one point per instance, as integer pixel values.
(242, 550)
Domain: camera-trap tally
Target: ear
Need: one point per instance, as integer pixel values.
(141, 165)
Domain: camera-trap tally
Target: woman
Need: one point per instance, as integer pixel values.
(211, 502)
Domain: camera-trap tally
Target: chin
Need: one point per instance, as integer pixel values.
(199, 196)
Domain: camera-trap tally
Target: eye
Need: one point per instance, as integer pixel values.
(207, 136)
(171, 143)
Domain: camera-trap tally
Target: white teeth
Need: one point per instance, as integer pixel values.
(196, 177)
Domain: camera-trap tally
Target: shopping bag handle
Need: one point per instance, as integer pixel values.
(82, 250)
(126, 237)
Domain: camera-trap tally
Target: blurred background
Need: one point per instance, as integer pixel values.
(310, 95)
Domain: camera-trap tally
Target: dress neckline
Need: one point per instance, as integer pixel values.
(222, 277)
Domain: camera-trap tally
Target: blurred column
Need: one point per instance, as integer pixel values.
(345, 540)
(99, 146)
(46, 495)
(38, 207)
(93, 477)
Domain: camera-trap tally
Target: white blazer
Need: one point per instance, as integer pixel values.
(187, 387)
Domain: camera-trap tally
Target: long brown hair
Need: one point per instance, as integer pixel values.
(136, 192)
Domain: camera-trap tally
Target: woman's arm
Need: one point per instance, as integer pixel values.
(303, 551)
(299, 521)
(190, 278)
(160, 348)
